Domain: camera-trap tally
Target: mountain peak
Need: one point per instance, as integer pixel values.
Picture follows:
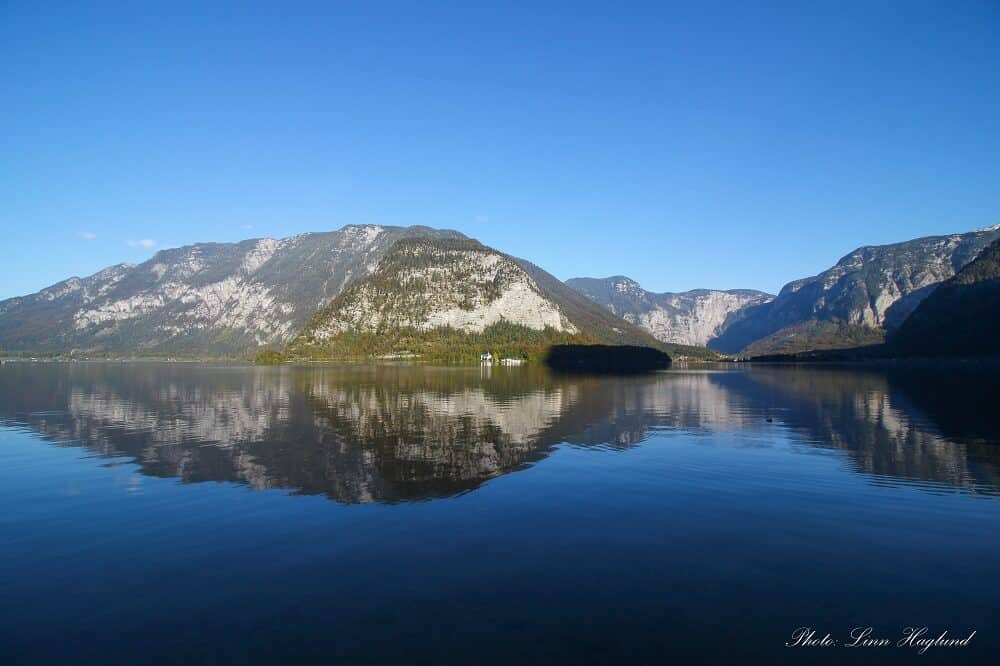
(689, 318)
(206, 299)
(452, 298)
(869, 291)
(958, 317)
(625, 285)
(424, 284)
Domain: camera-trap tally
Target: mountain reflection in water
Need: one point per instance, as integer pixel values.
(397, 433)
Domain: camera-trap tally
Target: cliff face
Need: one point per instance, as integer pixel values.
(450, 299)
(959, 317)
(208, 298)
(425, 284)
(688, 318)
(870, 290)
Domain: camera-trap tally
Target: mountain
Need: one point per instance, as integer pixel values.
(203, 299)
(960, 316)
(871, 290)
(451, 299)
(688, 318)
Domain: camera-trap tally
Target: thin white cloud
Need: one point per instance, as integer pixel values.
(87, 235)
(247, 226)
(145, 242)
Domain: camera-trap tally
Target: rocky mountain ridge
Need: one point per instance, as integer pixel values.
(451, 298)
(232, 299)
(426, 284)
(689, 318)
(869, 291)
(959, 317)
(206, 298)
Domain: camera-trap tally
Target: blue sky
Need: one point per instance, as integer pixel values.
(722, 145)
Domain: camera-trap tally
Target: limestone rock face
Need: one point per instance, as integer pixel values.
(687, 318)
(430, 283)
(207, 298)
(873, 289)
(959, 317)
(448, 300)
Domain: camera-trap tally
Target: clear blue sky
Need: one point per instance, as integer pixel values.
(717, 145)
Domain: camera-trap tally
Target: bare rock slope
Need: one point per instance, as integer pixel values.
(450, 297)
(207, 298)
(959, 317)
(870, 291)
(688, 318)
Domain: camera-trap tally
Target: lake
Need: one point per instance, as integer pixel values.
(182, 513)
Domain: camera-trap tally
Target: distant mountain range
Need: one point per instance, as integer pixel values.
(374, 290)
(689, 318)
(870, 291)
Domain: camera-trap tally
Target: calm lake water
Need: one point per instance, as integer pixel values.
(172, 513)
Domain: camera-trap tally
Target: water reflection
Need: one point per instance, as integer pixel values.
(910, 423)
(391, 433)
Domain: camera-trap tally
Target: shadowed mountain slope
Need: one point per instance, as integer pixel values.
(960, 317)
(871, 290)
